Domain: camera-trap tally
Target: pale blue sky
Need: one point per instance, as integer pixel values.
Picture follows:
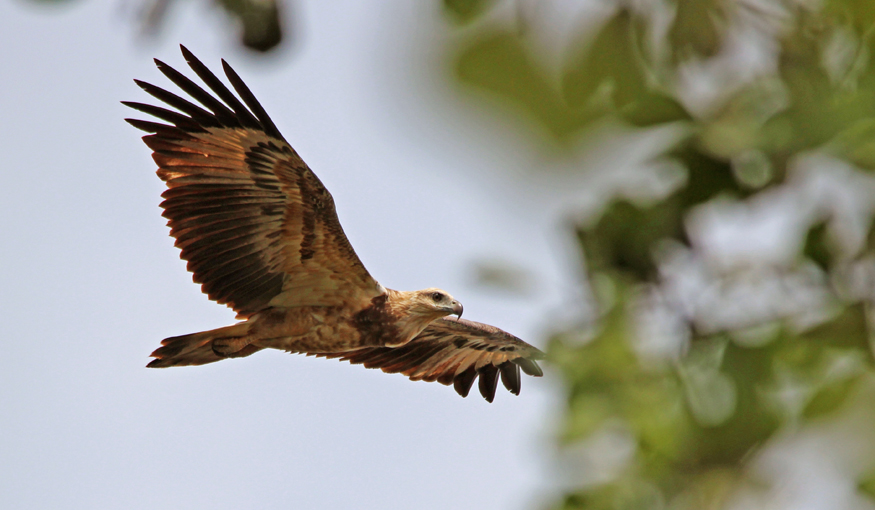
(90, 281)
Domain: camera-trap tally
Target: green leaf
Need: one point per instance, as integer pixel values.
(500, 63)
(611, 61)
(711, 395)
(698, 28)
(819, 109)
(465, 11)
(708, 177)
(830, 398)
(859, 14)
(848, 330)
(260, 22)
(652, 108)
(857, 143)
(625, 237)
(627, 494)
(752, 169)
(866, 485)
(753, 421)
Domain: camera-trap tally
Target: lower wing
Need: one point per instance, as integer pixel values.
(455, 351)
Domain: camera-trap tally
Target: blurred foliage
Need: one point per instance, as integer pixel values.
(612, 61)
(625, 235)
(261, 26)
(464, 11)
(259, 20)
(498, 61)
(698, 28)
(700, 413)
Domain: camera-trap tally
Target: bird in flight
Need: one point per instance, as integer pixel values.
(261, 235)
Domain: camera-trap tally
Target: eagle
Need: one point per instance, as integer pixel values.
(261, 235)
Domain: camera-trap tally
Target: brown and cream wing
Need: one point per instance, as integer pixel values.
(255, 224)
(455, 351)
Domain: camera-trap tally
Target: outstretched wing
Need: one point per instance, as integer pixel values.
(255, 224)
(455, 351)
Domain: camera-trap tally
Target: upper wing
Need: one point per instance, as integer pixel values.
(255, 224)
(455, 351)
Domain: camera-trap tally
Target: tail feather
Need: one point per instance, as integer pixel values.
(198, 348)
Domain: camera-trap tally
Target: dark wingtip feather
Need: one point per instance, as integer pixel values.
(177, 119)
(203, 117)
(463, 382)
(249, 98)
(185, 52)
(145, 125)
(245, 117)
(140, 124)
(530, 367)
(488, 382)
(510, 377)
(221, 111)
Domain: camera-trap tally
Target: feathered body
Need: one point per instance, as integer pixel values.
(260, 233)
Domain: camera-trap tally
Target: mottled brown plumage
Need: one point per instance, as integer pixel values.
(454, 351)
(261, 235)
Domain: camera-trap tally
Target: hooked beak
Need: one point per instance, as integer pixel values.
(457, 309)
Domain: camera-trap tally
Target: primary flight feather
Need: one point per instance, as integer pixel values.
(261, 235)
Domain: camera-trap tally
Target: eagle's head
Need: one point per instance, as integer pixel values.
(413, 311)
(434, 303)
